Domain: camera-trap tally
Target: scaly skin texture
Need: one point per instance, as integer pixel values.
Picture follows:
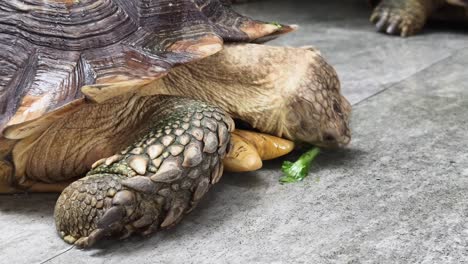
(287, 92)
(403, 17)
(153, 182)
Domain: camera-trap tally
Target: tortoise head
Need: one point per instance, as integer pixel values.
(317, 112)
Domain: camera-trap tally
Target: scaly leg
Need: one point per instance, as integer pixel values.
(6, 168)
(40, 187)
(9, 185)
(403, 17)
(153, 183)
(6, 174)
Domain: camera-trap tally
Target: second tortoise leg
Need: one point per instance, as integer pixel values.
(9, 184)
(154, 182)
(403, 17)
(6, 174)
(40, 187)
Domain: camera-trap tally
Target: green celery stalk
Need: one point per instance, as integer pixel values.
(297, 171)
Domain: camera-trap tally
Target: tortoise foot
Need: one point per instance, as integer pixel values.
(86, 241)
(110, 205)
(400, 17)
(153, 183)
(93, 207)
(90, 240)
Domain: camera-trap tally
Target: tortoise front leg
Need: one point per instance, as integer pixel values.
(6, 178)
(403, 17)
(6, 168)
(10, 185)
(153, 183)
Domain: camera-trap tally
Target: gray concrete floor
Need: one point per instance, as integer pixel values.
(398, 194)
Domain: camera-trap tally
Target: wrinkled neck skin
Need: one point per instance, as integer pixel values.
(257, 84)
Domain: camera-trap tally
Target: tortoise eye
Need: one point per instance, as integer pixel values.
(337, 108)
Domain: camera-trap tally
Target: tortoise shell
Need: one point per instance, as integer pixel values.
(57, 54)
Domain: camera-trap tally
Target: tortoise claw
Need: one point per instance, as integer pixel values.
(382, 22)
(89, 241)
(393, 28)
(242, 156)
(248, 149)
(112, 216)
(268, 146)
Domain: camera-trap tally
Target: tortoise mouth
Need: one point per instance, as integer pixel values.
(340, 143)
(332, 139)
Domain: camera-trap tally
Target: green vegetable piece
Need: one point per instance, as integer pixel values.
(297, 171)
(276, 24)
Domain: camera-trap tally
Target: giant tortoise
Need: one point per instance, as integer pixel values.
(128, 106)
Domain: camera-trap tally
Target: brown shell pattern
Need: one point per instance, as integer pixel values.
(50, 49)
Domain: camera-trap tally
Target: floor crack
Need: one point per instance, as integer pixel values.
(59, 254)
(404, 79)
